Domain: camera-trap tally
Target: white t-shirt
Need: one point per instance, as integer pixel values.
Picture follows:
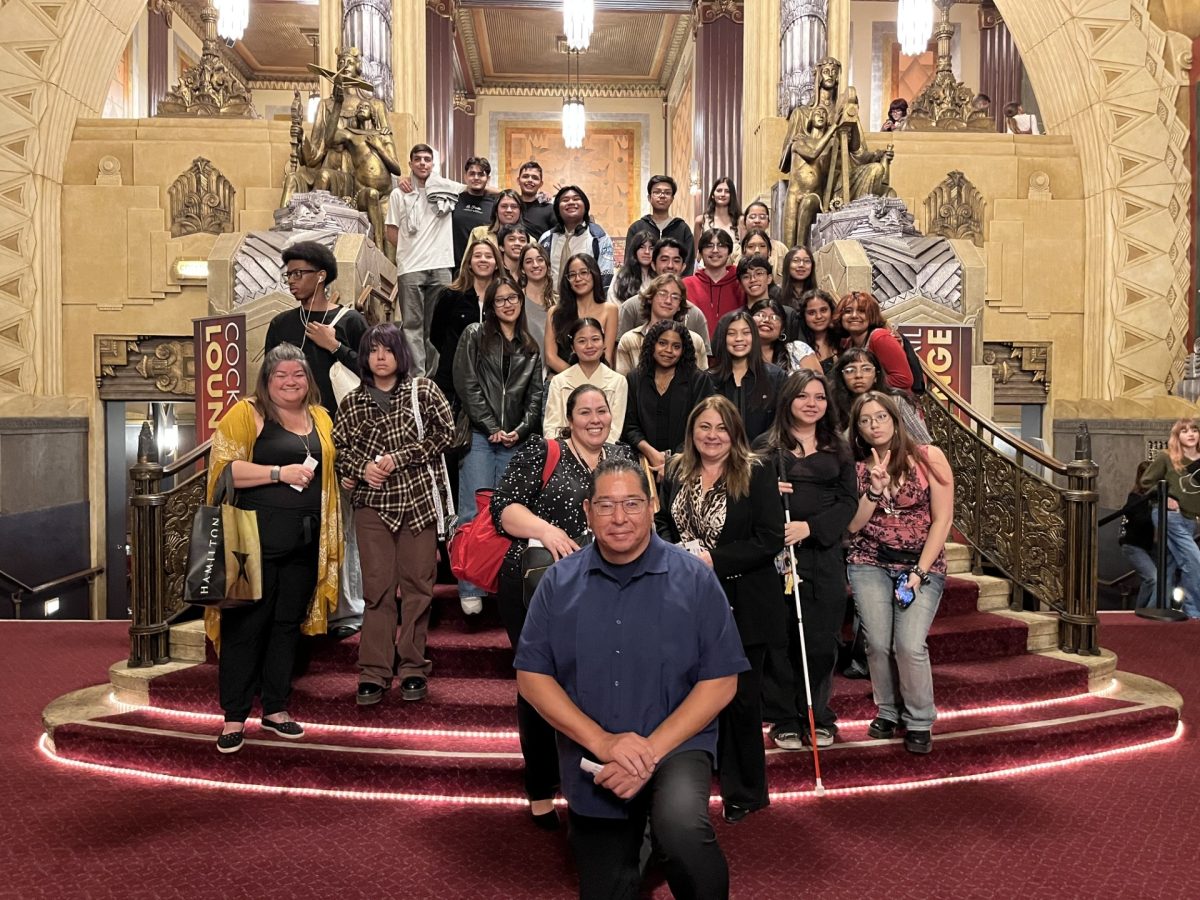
(431, 246)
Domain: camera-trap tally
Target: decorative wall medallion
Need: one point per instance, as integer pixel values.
(137, 367)
(954, 209)
(172, 367)
(108, 171)
(1039, 187)
(201, 201)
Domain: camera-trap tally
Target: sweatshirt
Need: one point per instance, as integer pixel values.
(714, 299)
(675, 228)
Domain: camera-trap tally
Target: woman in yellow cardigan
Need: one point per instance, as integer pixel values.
(279, 445)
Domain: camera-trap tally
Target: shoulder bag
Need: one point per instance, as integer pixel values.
(343, 379)
(447, 520)
(224, 567)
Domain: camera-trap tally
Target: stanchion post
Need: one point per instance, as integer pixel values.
(149, 637)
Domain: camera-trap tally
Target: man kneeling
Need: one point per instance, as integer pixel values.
(630, 651)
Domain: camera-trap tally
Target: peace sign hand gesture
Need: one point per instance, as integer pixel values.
(880, 478)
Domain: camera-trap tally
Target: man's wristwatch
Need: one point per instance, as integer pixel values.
(274, 473)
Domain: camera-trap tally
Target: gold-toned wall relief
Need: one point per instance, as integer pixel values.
(210, 88)
(954, 209)
(137, 367)
(201, 201)
(1020, 370)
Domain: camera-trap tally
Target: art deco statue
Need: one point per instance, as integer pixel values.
(209, 88)
(826, 158)
(349, 150)
(945, 103)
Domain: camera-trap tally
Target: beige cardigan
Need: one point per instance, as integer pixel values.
(615, 387)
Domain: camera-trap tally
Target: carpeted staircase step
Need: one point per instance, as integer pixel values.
(452, 766)
(460, 654)
(975, 636)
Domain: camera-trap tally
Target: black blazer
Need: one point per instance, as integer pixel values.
(755, 401)
(643, 421)
(744, 558)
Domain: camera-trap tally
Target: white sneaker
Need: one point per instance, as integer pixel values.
(471, 606)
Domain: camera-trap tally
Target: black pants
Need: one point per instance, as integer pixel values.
(784, 700)
(258, 642)
(537, 737)
(676, 801)
(741, 756)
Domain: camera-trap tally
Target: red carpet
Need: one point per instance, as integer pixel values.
(1117, 828)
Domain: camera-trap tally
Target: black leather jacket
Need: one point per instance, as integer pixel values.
(492, 402)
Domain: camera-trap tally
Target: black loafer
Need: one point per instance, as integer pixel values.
(369, 694)
(231, 742)
(289, 729)
(547, 821)
(918, 742)
(341, 632)
(734, 813)
(414, 688)
(882, 729)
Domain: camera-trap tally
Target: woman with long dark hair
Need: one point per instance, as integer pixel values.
(663, 390)
(580, 296)
(498, 376)
(393, 460)
(858, 371)
(587, 339)
(897, 564)
(637, 269)
(818, 481)
(722, 503)
(740, 375)
(722, 212)
(817, 326)
(769, 315)
(798, 277)
(533, 267)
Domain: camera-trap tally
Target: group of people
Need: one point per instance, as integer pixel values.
(668, 431)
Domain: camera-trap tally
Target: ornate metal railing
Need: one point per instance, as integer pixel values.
(1039, 531)
(160, 526)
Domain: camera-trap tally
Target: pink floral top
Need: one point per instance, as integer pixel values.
(900, 522)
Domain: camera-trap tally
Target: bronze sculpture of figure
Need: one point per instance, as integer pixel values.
(826, 157)
(371, 160)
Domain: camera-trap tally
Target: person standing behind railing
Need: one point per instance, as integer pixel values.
(1137, 539)
(1179, 465)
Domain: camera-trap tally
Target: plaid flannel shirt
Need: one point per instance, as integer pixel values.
(363, 431)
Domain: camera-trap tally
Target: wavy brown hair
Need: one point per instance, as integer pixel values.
(905, 451)
(686, 465)
(282, 353)
(1174, 447)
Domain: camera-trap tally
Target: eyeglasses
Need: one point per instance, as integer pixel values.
(578, 276)
(878, 419)
(663, 193)
(510, 300)
(676, 298)
(765, 315)
(295, 275)
(864, 369)
(632, 505)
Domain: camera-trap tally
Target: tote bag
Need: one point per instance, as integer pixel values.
(224, 567)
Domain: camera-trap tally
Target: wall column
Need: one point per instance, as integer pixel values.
(439, 101)
(462, 136)
(409, 122)
(719, 60)
(762, 127)
(158, 38)
(367, 25)
(801, 44)
(1000, 66)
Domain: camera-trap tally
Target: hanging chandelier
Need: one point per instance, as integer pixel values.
(232, 19)
(574, 116)
(578, 18)
(914, 25)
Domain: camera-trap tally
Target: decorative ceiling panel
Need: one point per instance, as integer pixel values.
(272, 44)
(517, 45)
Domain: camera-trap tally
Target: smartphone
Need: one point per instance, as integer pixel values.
(309, 463)
(904, 594)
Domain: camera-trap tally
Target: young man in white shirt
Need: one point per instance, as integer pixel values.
(419, 223)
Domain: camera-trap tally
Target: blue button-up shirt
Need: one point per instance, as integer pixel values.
(628, 643)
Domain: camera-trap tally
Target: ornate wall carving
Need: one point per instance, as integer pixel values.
(708, 11)
(130, 367)
(1020, 370)
(954, 209)
(201, 201)
(108, 171)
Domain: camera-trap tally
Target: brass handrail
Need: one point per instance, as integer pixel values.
(160, 528)
(1040, 534)
(25, 591)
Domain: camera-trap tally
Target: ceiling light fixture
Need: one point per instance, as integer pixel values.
(574, 117)
(578, 19)
(233, 17)
(914, 25)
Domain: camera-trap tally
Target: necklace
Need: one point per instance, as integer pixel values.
(306, 316)
(302, 438)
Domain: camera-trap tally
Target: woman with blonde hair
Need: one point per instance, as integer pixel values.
(721, 502)
(1179, 465)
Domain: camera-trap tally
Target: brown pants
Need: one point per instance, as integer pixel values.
(390, 559)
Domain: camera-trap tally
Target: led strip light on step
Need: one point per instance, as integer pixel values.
(512, 735)
(43, 745)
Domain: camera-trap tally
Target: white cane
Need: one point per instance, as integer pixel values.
(812, 725)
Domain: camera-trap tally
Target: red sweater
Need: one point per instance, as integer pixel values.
(888, 350)
(714, 299)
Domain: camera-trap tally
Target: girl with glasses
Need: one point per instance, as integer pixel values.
(790, 356)
(858, 371)
(580, 296)
(663, 300)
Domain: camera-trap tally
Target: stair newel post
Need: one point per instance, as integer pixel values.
(1077, 627)
(148, 633)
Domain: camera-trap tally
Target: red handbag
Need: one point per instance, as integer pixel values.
(477, 550)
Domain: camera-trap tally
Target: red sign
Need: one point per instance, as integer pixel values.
(220, 370)
(946, 351)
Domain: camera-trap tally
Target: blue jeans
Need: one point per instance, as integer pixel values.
(1145, 566)
(901, 680)
(482, 467)
(1184, 555)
